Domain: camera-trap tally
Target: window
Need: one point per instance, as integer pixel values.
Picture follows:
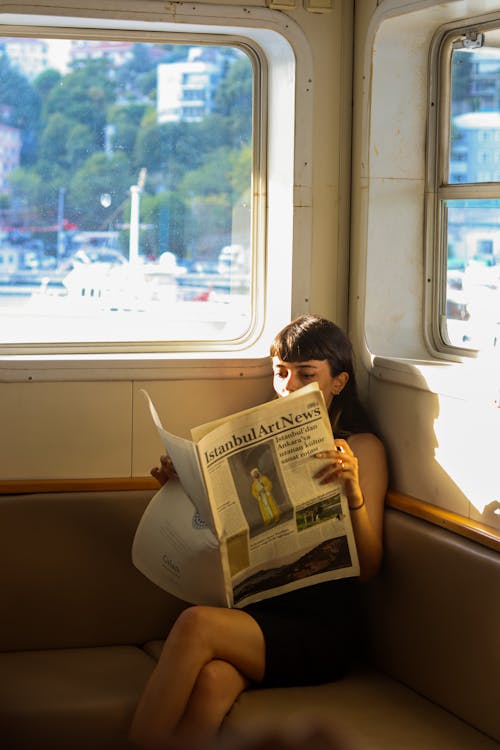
(127, 218)
(469, 191)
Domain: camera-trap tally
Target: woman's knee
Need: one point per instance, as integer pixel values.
(218, 685)
(191, 626)
(207, 633)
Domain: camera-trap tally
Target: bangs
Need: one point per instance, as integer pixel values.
(298, 348)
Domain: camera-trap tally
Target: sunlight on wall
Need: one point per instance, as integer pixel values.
(468, 449)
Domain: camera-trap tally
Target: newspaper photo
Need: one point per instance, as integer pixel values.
(247, 520)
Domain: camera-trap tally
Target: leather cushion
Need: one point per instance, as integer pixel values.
(70, 698)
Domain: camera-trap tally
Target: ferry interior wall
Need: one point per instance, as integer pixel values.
(177, 182)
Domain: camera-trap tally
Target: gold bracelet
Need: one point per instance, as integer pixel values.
(357, 507)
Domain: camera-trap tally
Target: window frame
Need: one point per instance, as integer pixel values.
(144, 346)
(282, 49)
(440, 189)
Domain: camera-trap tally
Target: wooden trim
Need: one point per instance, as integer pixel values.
(477, 532)
(25, 486)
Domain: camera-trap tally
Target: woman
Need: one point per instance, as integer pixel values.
(303, 637)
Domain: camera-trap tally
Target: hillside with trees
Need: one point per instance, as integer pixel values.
(87, 134)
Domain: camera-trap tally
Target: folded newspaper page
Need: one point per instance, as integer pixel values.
(247, 520)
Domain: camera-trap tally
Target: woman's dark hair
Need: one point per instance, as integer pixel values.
(312, 337)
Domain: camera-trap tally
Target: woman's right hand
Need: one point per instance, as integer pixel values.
(164, 471)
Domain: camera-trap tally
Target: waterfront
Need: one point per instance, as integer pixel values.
(61, 317)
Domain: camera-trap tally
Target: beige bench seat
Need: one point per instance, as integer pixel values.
(378, 712)
(80, 630)
(66, 699)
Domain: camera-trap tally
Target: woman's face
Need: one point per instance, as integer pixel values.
(290, 376)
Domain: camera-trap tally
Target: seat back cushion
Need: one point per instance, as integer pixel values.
(433, 618)
(66, 573)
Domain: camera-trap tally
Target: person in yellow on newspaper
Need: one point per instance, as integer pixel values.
(261, 490)
(305, 636)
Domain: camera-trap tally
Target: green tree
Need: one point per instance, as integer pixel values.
(233, 100)
(53, 140)
(137, 76)
(84, 96)
(224, 171)
(147, 84)
(142, 60)
(211, 133)
(26, 186)
(21, 105)
(213, 191)
(37, 195)
(125, 120)
(46, 81)
(175, 148)
(213, 177)
(240, 174)
(101, 175)
(79, 146)
(194, 177)
(209, 226)
(165, 212)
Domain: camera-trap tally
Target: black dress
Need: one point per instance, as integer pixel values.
(308, 633)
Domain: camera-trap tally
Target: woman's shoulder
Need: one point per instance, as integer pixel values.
(366, 441)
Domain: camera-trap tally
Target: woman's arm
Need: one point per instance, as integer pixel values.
(367, 521)
(361, 464)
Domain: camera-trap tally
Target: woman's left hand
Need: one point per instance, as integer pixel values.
(363, 476)
(342, 465)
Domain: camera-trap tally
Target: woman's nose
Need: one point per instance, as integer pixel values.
(291, 382)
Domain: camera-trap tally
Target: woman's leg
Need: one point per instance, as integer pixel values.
(200, 635)
(216, 689)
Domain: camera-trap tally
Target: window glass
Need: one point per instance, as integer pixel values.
(475, 115)
(473, 296)
(125, 192)
(470, 194)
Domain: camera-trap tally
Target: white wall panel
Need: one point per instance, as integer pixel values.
(65, 430)
(182, 405)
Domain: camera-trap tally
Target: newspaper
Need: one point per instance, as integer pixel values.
(247, 520)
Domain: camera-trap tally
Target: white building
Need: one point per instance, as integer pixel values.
(10, 151)
(185, 89)
(30, 56)
(476, 155)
